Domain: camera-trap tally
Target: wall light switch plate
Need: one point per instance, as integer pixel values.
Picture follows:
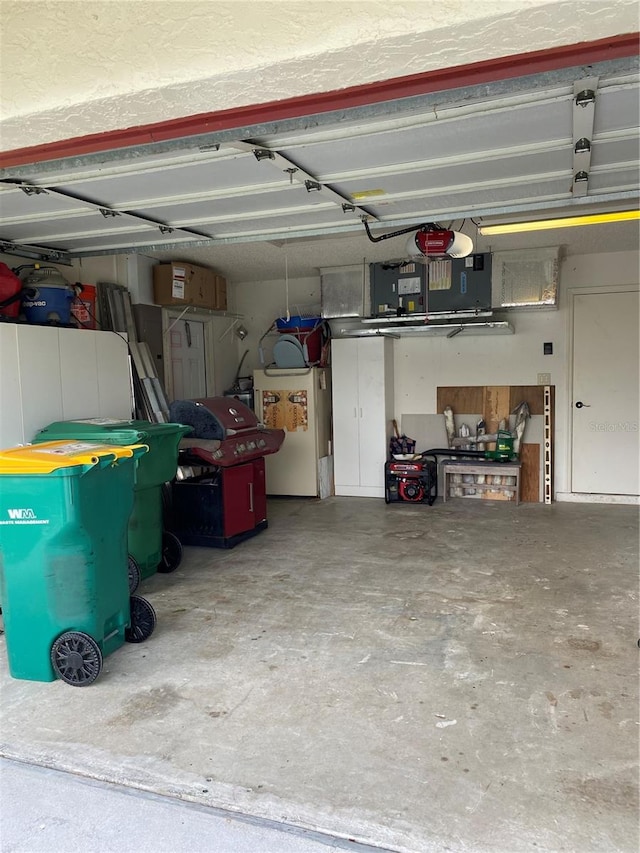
(544, 379)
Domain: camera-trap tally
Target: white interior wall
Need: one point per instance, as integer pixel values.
(259, 303)
(422, 364)
(131, 62)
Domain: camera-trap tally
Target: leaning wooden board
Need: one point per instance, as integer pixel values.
(530, 473)
(495, 409)
(461, 398)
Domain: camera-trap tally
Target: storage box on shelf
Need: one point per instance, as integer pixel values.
(179, 283)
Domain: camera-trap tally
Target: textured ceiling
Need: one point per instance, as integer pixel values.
(75, 68)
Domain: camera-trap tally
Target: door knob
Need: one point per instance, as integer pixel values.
(580, 405)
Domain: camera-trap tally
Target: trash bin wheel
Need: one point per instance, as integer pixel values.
(76, 658)
(133, 570)
(143, 620)
(171, 553)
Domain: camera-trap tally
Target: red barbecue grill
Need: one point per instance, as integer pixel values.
(225, 501)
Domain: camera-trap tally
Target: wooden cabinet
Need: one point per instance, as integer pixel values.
(362, 370)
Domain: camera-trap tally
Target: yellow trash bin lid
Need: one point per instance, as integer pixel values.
(52, 456)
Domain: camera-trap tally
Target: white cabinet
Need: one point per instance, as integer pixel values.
(50, 374)
(362, 370)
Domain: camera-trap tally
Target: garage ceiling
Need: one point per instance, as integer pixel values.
(479, 154)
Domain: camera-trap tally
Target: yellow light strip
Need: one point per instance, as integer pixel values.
(564, 222)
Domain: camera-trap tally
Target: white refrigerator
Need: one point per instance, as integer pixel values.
(297, 400)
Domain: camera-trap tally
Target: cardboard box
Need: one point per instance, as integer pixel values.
(221, 293)
(185, 284)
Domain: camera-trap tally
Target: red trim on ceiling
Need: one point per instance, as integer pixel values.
(487, 71)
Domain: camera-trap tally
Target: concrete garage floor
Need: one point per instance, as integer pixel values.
(461, 677)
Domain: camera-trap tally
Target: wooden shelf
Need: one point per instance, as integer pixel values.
(487, 469)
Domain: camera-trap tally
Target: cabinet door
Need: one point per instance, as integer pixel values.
(114, 383)
(40, 381)
(372, 412)
(11, 431)
(78, 374)
(237, 499)
(346, 413)
(259, 492)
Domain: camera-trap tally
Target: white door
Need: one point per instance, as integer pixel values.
(371, 409)
(346, 415)
(605, 457)
(188, 365)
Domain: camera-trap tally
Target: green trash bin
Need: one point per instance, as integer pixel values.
(64, 509)
(151, 548)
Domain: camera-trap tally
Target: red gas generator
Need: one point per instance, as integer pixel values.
(412, 481)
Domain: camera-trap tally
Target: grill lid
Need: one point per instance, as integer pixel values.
(214, 417)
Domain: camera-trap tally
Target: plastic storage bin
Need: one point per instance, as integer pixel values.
(150, 548)
(64, 509)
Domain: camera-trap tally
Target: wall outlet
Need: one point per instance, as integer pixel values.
(544, 379)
